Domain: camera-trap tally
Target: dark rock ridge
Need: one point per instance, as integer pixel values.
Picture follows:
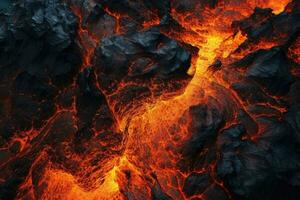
(147, 64)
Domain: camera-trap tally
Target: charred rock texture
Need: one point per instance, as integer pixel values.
(162, 100)
(147, 64)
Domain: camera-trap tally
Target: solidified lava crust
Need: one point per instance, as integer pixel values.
(149, 99)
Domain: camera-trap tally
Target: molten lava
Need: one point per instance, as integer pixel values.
(151, 138)
(138, 147)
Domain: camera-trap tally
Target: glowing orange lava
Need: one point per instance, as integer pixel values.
(152, 136)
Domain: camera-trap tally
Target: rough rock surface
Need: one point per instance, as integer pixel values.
(72, 72)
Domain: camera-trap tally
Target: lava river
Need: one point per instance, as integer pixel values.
(161, 100)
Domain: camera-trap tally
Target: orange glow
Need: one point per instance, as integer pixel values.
(276, 6)
(156, 129)
(117, 18)
(63, 186)
(153, 137)
(86, 39)
(154, 21)
(294, 51)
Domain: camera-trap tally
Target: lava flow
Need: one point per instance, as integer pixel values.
(161, 100)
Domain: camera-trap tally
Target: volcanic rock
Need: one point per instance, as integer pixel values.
(254, 169)
(196, 183)
(143, 62)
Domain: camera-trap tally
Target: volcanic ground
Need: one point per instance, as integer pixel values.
(150, 99)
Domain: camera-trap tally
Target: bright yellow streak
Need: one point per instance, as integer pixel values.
(62, 185)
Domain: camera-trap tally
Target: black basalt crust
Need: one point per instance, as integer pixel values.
(111, 95)
(146, 64)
